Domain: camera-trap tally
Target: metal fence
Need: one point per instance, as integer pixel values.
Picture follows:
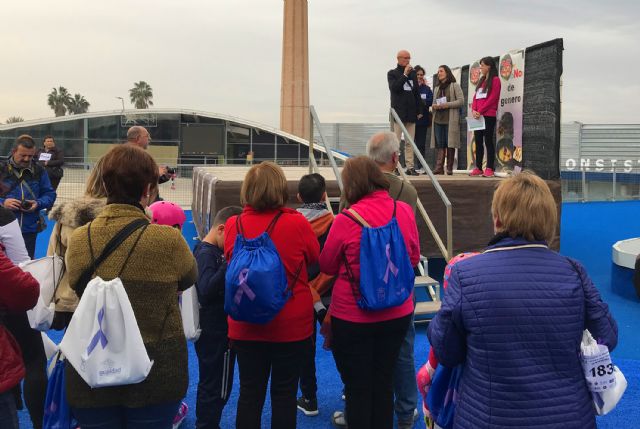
(599, 184)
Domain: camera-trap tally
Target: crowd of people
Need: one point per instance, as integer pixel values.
(269, 278)
(419, 108)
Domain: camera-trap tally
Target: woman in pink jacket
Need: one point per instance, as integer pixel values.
(485, 103)
(366, 343)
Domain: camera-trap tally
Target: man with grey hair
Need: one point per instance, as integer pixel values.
(139, 136)
(384, 149)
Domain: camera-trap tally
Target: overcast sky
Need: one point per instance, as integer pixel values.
(224, 56)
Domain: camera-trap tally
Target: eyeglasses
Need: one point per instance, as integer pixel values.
(405, 58)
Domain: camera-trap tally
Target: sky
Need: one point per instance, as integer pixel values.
(224, 56)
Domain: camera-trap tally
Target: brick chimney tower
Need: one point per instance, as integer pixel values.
(294, 91)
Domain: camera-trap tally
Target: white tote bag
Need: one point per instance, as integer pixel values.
(190, 312)
(605, 380)
(103, 342)
(48, 271)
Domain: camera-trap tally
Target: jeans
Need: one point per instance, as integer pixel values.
(158, 416)
(8, 412)
(404, 377)
(308, 380)
(211, 348)
(366, 354)
(35, 362)
(30, 242)
(259, 360)
(442, 135)
(486, 136)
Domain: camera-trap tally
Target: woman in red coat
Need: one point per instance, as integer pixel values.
(18, 293)
(277, 348)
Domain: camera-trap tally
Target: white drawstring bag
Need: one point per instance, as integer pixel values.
(103, 342)
(605, 380)
(50, 348)
(48, 271)
(190, 312)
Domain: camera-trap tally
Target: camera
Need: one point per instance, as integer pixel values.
(171, 171)
(26, 205)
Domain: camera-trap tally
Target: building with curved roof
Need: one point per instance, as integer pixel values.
(179, 136)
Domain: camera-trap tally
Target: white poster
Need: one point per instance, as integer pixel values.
(474, 78)
(509, 117)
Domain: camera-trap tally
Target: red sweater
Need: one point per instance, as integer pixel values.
(344, 239)
(18, 292)
(295, 241)
(488, 106)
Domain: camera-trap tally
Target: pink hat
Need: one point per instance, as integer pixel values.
(167, 213)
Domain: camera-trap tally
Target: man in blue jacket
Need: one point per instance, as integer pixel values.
(29, 190)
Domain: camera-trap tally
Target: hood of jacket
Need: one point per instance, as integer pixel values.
(77, 212)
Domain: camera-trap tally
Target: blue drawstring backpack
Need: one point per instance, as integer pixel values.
(442, 398)
(386, 274)
(256, 282)
(57, 412)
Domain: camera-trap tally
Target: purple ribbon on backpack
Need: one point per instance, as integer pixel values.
(99, 336)
(390, 266)
(243, 287)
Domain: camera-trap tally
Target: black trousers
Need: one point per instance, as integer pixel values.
(486, 136)
(35, 362)
(366, 354)
(216, 377)
(308, 380)
(30, 242)
(421, 140)
(259, 360)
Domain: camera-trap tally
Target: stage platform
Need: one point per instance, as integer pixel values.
(218, 187)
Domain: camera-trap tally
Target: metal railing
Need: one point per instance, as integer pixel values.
(447, 251)
(177, 190)
(601, 184)
(312, 159)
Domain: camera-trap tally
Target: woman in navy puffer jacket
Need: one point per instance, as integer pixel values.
(514, 316)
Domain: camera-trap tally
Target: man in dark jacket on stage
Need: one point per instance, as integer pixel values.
(405, 99)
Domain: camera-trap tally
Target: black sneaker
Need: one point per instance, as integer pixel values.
(308, 406)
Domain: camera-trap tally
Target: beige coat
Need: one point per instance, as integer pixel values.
(454, 116)
(69, 216)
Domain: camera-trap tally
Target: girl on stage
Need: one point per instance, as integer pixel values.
(485, 103)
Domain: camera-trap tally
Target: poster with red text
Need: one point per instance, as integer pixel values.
(509, 116)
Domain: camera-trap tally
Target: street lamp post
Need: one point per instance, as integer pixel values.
(122, 99)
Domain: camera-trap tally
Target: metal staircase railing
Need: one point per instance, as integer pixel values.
(447, 251)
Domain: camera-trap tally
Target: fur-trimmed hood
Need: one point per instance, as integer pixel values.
(77, 212)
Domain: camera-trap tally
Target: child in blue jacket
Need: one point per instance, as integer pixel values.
(215, 359)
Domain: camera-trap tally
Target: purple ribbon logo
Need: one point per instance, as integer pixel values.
(99, 336)
(390, 266)
(243, 287)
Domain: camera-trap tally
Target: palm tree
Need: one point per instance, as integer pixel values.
(77, 105)
(58, 100)
(14, 119)
(141, 95)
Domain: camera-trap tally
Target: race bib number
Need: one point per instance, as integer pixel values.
(599, 371)
(44, 156)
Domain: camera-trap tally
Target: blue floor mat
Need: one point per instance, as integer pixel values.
(588, 231)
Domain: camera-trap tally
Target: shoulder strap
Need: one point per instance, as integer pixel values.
(399, 192)
(360, 219)
(112, 245)
(273, 222)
